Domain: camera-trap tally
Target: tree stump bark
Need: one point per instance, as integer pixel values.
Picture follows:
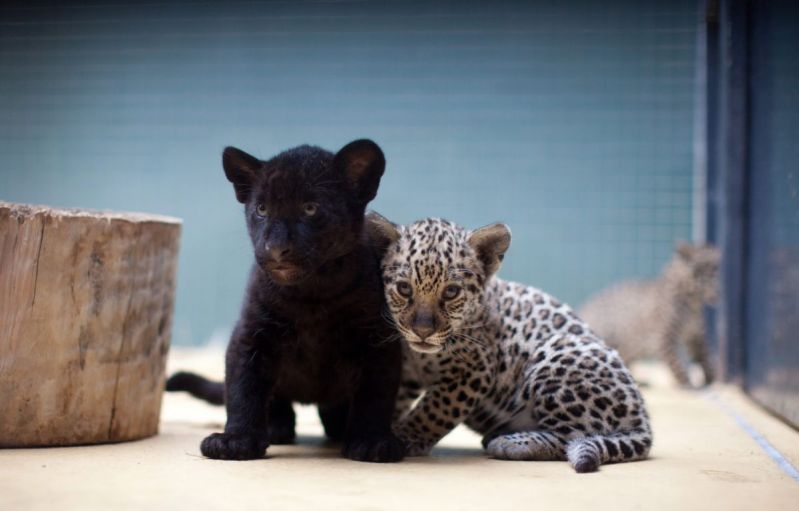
(86, 303)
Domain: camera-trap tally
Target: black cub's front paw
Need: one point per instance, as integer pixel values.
(380, 449)
(228, 446)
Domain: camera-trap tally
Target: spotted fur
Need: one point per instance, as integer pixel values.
(508, 360)
(661, 318)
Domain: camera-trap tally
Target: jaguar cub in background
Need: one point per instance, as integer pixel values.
(510, 361)
(662, 318)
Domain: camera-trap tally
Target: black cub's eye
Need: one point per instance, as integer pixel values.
(404, 289)
(451, 291)
(309, 208)
(260, 209)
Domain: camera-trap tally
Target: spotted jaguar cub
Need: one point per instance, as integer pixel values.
(510, 361)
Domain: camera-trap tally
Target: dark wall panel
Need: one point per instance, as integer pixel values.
(773, 278)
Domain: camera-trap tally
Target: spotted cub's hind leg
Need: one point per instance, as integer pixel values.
(536, 445)
(584, 454)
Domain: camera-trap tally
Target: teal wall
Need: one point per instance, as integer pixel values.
(571, 121)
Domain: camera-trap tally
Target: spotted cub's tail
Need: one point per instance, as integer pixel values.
(585, 454)
(197, 386)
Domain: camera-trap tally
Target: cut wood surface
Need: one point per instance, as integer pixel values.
(86, 300)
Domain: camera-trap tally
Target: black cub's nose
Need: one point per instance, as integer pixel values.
(424, 324)
(278, 252)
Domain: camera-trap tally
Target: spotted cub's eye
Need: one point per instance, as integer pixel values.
(404, 289)
(260, 209)
(451, 291)
(309, 208)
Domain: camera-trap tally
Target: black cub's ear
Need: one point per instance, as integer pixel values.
(380, 230)
(490, 242)
(363, 164)
(240, 169)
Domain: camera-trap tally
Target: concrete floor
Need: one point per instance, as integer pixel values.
(702, 459)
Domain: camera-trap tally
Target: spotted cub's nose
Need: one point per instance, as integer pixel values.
(424, 323)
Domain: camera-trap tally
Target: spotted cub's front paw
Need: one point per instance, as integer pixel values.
(413, 445)
(417, 448)
(382, 449)
(228, 446)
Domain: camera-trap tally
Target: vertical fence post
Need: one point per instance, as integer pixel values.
(706, 183)
(731, 142)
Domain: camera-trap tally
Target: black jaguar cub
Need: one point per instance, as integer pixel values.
(311, 328)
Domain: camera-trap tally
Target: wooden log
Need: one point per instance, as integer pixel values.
(86, 301)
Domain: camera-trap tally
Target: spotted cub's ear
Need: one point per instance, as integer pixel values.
(490, 243)
(241, 170)
(381, 231)
(363, 163)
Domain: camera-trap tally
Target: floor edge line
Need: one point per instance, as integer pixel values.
(772, 452)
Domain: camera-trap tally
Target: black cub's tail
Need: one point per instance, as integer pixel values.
(197, 386)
